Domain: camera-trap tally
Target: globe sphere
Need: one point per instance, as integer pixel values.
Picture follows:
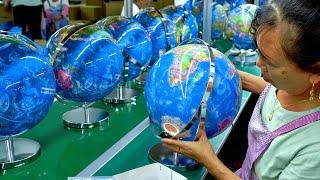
(164, 33)
(231, 4)
(179, 82)
(27, 87)
(88, 66)
(238, 26)
(189, 5)
(134, 41)
(263, 2)
(185, 21)
(219, 19)
(52, 45)
(28, 41)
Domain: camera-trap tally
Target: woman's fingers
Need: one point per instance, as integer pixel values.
(175, 145)
(174, 142)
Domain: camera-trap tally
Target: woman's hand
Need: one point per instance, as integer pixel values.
(53, 27)
(198, 150)
(58, 18)
(202, 152)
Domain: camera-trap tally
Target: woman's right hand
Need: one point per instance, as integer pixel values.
(57, 18)
(198, 150)
(202, 152)
(53, 28)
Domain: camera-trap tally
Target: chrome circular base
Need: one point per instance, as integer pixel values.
(80, 119)
(177, 162)
(244, 57)
(24, 152)
(246, 60)
(142, 78)
(121, 96)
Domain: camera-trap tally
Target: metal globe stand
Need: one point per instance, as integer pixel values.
(16, 152)
(85, 117)
(243, 57)
(178, 162)
(121, 95)
(141, 80)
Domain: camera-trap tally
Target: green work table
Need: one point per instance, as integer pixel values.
(119, 145)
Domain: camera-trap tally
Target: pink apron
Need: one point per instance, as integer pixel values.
(259, 137)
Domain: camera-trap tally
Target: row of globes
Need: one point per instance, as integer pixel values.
(84, 63)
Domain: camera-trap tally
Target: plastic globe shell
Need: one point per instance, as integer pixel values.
(219, 19)
(231, 4)
(134, 41)
(262, 2)
(51, 47)
(163, 32)
(238, 26)
(185, 21)
(27, 87)
(88, 66)
(175, 90)
(24, 38)
(29, 42)
(189, 5)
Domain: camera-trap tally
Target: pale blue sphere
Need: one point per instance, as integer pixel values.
(177, 84)
(88, 66)
(133, 40)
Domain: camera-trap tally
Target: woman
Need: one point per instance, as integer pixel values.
(57, 13)
(27, 12)
(283, 134)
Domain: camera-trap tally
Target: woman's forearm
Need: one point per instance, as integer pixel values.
(218, 170)
(252, 83)
(65, 10)
(48, 15)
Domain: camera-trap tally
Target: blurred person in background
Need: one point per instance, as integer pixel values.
(137, 6)
(27, 13)
(56, 12)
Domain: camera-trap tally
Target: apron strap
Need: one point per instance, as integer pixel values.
(302, 121)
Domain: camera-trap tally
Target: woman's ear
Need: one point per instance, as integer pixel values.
(315, 78)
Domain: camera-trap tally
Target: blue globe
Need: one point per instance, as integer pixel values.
(263, 2)
(51, 47)
(179, 81)
(219, 19)
(88, 66)
(185, 21)
(27, 87)
(28, 41)
(189, 5)
(239, 23)
(231, 4)
(132, 39)
(164, 33)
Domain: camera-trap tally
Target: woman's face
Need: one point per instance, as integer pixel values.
(276, 68)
